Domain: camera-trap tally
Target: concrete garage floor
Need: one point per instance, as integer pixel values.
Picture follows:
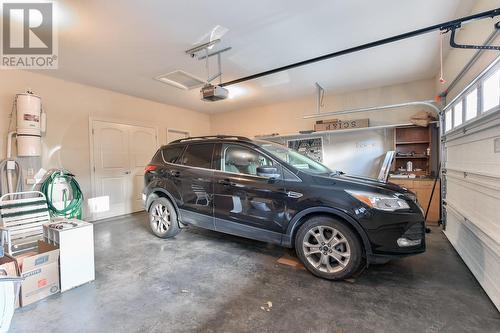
(209, 282)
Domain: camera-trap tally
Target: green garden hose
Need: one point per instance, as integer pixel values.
(72, 207)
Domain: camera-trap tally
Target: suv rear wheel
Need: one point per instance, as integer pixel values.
(163, 218)
(328, 248)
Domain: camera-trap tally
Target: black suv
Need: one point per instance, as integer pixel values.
(264, 191)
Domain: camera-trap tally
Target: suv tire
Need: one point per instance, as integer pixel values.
(163, 218)
(328, 248)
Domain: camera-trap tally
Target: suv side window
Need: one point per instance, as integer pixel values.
(239, 159)
(171, 154)
(198, 155)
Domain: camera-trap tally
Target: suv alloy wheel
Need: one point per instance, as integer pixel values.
(163, 218)
(328, 248)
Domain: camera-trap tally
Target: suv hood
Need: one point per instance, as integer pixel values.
(371, 182)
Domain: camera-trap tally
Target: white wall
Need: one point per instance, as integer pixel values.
(357, 153)
(286, 117)
(69, 105)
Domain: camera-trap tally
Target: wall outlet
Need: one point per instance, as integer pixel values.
(11, 165)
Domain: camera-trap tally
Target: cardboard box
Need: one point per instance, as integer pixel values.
(9, 265)
(334, 124)
(40, 271)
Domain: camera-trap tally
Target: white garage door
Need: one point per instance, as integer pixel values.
(472, 178)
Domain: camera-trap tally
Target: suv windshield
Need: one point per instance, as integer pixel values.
(294, 158)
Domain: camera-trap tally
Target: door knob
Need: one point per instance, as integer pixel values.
(127, 172)
(175, 173)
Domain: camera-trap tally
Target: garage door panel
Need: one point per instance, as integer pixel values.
(482, 260)
(471, 186)
(486, 240)
(475, 153)
(481, 203)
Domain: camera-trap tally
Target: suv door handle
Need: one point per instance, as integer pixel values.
(226, 182)
(293, 194)
(175, 173)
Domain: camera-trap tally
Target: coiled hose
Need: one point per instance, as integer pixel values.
(72, 207)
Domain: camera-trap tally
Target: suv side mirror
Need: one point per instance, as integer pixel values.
(268, 172)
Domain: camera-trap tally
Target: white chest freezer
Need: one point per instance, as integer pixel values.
(75, 240)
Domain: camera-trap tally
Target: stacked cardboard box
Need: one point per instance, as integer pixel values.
(39, 269)
(40, 272)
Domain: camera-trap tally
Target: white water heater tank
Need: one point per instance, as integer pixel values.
(29, 124)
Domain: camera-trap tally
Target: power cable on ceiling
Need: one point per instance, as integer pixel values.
(441, 78)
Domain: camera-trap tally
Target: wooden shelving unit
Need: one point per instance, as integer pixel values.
(416, 140)
(412, 140)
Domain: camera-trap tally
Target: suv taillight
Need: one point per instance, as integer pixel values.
(150, 168)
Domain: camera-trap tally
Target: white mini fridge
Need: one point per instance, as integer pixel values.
(75, 240)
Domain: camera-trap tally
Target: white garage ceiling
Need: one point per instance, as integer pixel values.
(122, 45)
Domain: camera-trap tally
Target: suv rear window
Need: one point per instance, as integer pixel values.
(171, 154)
(199, 155)
(157, 158)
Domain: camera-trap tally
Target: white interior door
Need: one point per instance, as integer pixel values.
(111, 167)
(173, 134)
(120, 154)
(143, 145)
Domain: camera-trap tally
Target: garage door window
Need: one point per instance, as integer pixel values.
(471, 105)
(448, 117)
(457, 114)
(481, 97)
(491, 91)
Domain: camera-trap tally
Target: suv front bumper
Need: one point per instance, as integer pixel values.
(397, 240)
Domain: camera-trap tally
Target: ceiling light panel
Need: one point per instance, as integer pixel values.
(181, 80)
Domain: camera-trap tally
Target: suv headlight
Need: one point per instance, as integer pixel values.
(380, 201)
(411, 196)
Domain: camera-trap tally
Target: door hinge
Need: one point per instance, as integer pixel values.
(92, 131)
(94, 168)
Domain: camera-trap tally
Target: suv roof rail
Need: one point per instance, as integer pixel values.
(207, 137)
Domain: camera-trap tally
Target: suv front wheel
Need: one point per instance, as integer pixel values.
(328, 248)
(163, 218)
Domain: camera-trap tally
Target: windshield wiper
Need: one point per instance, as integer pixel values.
(337, 173)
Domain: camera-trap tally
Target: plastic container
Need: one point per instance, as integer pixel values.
(29, 124)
